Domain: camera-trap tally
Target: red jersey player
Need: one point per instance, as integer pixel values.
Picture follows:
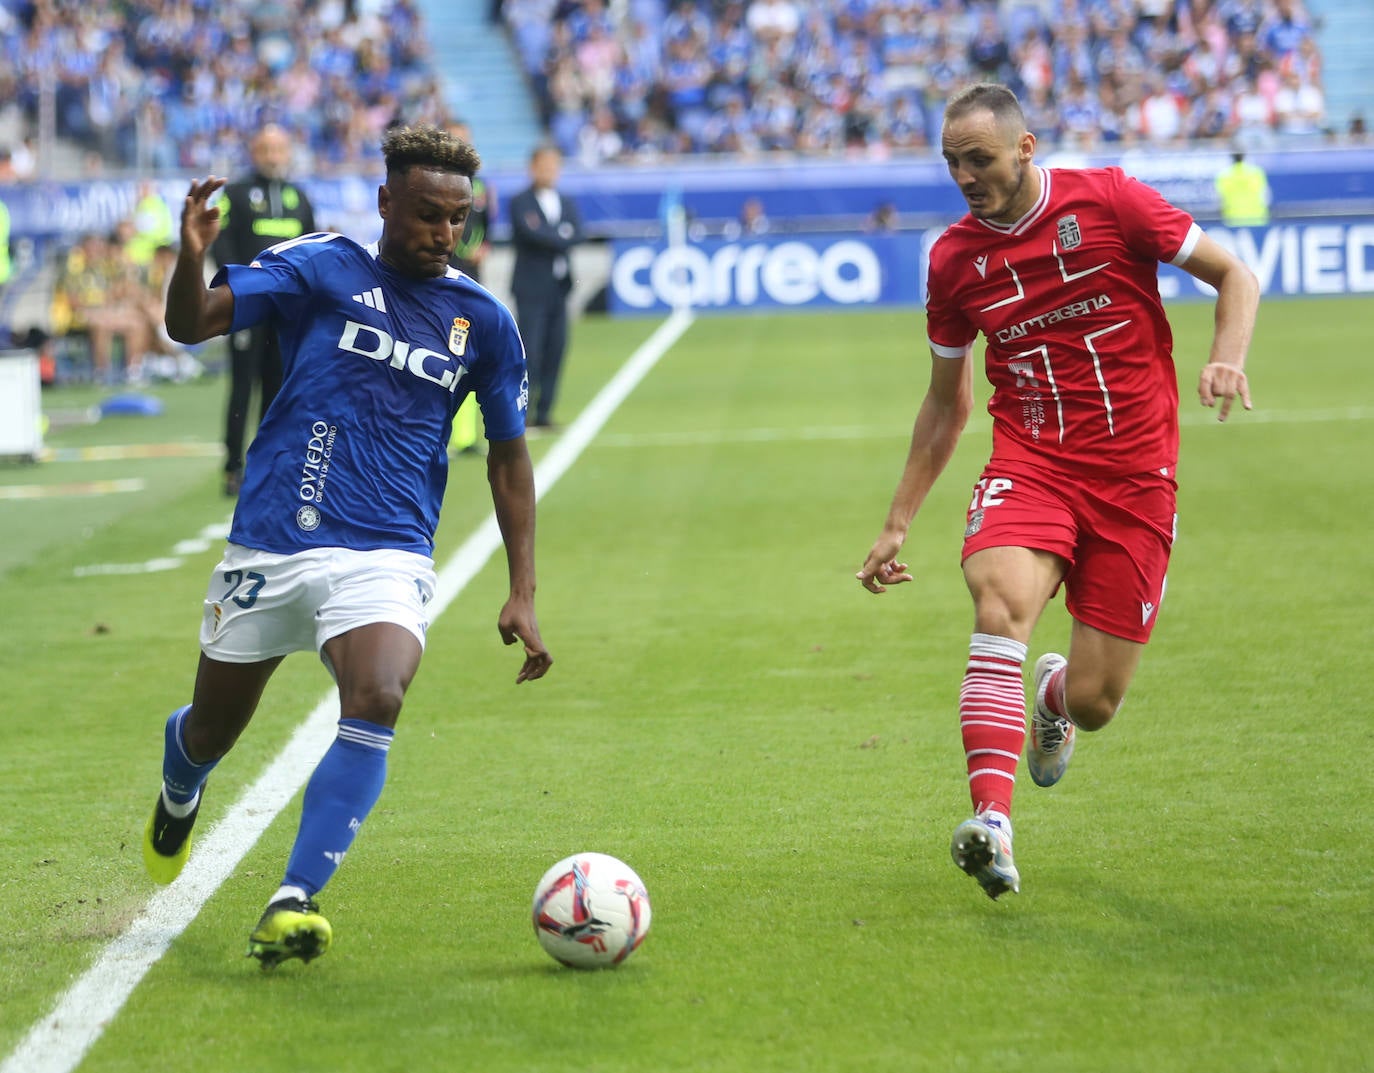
(1058, 271)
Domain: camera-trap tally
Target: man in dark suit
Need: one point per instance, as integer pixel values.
(545, 226)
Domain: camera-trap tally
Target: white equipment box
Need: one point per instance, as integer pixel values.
(21, 405)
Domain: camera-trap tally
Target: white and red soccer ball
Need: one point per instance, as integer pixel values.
(590, 911)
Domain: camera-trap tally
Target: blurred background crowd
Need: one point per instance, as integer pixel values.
(654, 77)
(633, 79)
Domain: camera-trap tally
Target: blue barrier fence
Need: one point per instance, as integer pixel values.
(804, 195)
(1327, 255)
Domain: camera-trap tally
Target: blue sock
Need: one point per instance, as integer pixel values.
(181, 779)
(338, 797)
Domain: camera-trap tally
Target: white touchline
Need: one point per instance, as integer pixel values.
(58, 1041)
(202, 541)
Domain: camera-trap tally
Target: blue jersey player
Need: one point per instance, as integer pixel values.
(333, 533)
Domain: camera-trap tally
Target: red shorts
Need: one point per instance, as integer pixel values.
(1114, 532)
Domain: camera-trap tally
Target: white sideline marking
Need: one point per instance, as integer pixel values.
(121, 452)
(216, 531)
(57, 1042)
(76, 488)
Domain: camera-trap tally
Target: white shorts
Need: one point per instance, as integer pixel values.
(260, 605)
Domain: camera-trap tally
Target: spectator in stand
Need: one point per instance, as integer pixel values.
(1042, 113)
(1080, 115)
(600, 141)
(905, 125)
(882, 220)
(1299, 106)
(751, 222)
(1241, 16)
(988, 51)
(1306, 61)
(1254, 114)
(1283, 33)
(24, 160)
(1114, 127)
(731, 130)
(822, 132)
(99, 295)
(686, 76)
(1211, 117)
(771, 20)
(1118, 58)
(686, 22)
(1034, 62)
(598, 55)
(1074, 52)
(731, 40)
(1161, 113)
(166, 359)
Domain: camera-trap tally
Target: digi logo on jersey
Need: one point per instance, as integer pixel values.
(378, 345)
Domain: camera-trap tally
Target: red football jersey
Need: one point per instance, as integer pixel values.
(1079, 352)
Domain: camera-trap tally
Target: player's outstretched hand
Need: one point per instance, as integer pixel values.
(1221, 380)
(200, 221)
(881, 568)
(517, 624)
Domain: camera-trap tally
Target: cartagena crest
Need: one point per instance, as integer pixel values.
(1070, 237)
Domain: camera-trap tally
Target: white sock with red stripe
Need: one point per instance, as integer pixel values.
(992, 719)
(1053, 695)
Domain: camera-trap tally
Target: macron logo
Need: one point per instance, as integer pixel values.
(1146, 610)
(372, 299)
(981, 263)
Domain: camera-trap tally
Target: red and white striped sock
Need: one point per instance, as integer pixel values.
(992, 719)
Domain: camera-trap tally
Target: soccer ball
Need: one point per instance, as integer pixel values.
(590, 911)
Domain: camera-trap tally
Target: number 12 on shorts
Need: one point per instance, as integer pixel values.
(988, 492)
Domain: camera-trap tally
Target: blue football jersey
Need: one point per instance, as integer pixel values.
(353, 451)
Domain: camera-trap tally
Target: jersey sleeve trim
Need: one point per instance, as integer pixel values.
(1190, 241)
(951, 352)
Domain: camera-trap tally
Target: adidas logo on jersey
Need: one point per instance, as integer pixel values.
(372, 299)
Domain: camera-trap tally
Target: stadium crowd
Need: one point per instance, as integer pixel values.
(131, 81)
(639, 79)
(635, 79)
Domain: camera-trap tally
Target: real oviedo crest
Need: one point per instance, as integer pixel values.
(458, 336)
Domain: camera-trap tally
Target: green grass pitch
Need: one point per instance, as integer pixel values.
(775, 751)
